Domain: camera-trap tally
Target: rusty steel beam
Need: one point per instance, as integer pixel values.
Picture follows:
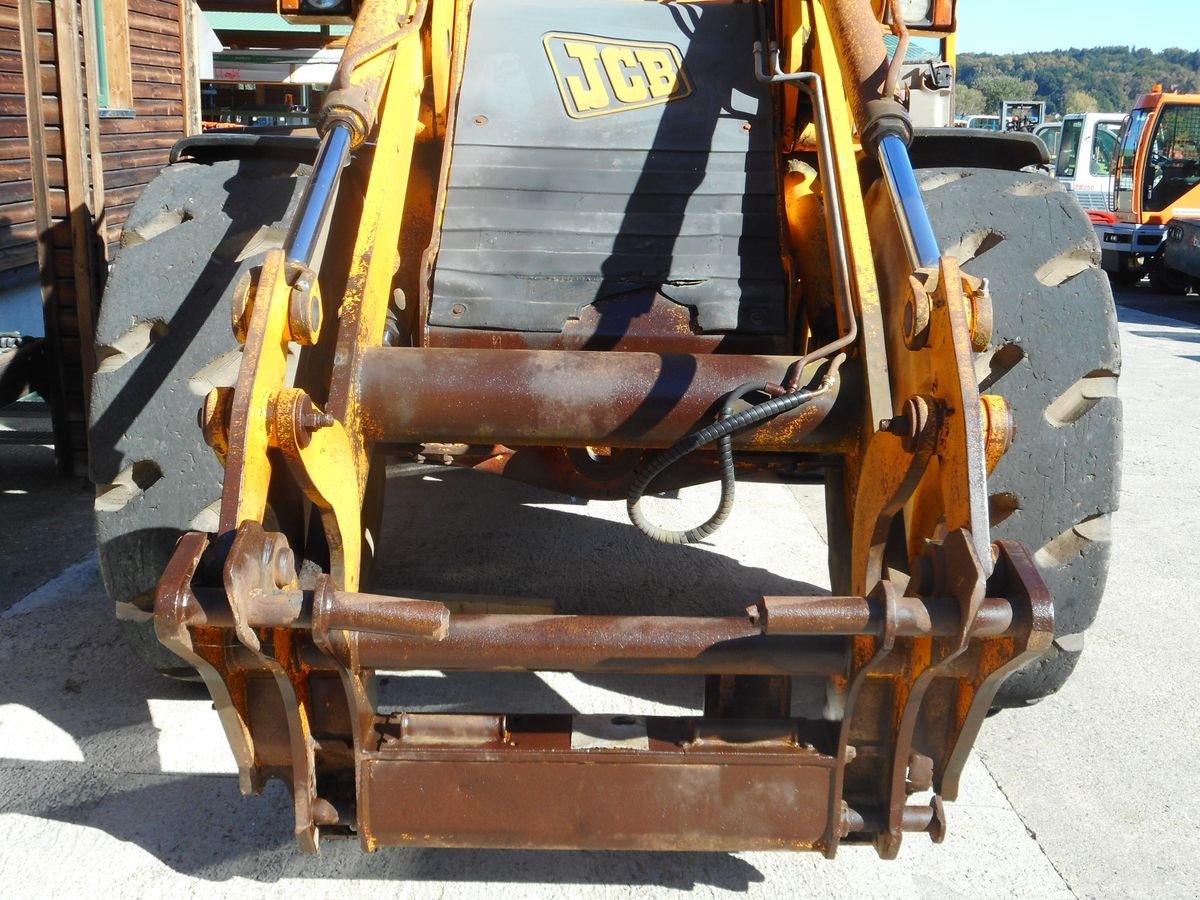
(612, 645)
(778, 636)
(578, 399)
(326, 609)
(661, 645)
(915, 617)
(685, 787)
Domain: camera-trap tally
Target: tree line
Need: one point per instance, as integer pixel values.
(1098, 79)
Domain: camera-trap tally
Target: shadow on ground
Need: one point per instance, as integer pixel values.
(458, 531)
(95, 760)
(1144, 298)
(47, 520)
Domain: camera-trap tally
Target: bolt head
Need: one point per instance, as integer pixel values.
(293, 418)
(999, 428)
(314, 419)
(207, 409)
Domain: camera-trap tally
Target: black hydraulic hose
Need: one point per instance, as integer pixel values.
(720, 431)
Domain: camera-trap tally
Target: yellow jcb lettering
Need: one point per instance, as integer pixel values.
(661, 74)
(629, 88)
(587, 92)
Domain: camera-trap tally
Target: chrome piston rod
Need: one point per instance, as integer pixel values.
(911, 216)
(306, 238)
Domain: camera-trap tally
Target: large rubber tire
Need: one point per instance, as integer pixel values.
(163, 340)
(1055, 357)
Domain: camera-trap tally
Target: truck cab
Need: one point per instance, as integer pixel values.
(1022, 115)
(1085, 153)
(1156, 178)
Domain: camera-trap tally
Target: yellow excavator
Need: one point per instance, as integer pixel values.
(613, 248)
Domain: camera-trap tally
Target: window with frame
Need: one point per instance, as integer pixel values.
(1127, 153)
(1104, 147)
(1172, 156)
(1068, 147)
(114, 77)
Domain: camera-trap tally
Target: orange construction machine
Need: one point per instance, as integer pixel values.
(1157, 178)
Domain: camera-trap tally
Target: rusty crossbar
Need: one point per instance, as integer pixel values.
(779, 636)
(564, 398)
(326, 609)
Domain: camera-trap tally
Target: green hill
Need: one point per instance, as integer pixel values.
(1112, 76)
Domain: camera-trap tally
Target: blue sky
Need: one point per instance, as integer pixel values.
(1015, 26)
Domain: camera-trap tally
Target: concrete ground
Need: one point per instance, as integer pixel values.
(115, 781)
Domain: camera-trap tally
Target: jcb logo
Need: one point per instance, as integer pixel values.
(597, 76)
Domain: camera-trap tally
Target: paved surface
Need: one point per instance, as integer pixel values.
(112, 780)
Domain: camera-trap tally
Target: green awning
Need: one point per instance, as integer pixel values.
(235, 21)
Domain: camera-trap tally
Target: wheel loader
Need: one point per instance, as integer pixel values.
(612, 248)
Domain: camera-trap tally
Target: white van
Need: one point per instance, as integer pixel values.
(1085, 157)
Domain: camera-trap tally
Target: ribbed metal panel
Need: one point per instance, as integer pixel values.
(1101, 200)
(547, 213)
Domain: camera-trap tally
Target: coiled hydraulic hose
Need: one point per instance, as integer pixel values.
(721, 431)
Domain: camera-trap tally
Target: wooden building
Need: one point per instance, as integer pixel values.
(93, 94)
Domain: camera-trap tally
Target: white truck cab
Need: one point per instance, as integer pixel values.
(1085, 157)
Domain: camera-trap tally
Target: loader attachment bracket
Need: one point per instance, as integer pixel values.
(292, 670)
(930, 459)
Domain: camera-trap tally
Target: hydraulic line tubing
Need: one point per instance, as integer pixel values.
(888, 122)
(662, 645)
(900, 54)
(786, 397)
(720, 432)
(811, 84)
